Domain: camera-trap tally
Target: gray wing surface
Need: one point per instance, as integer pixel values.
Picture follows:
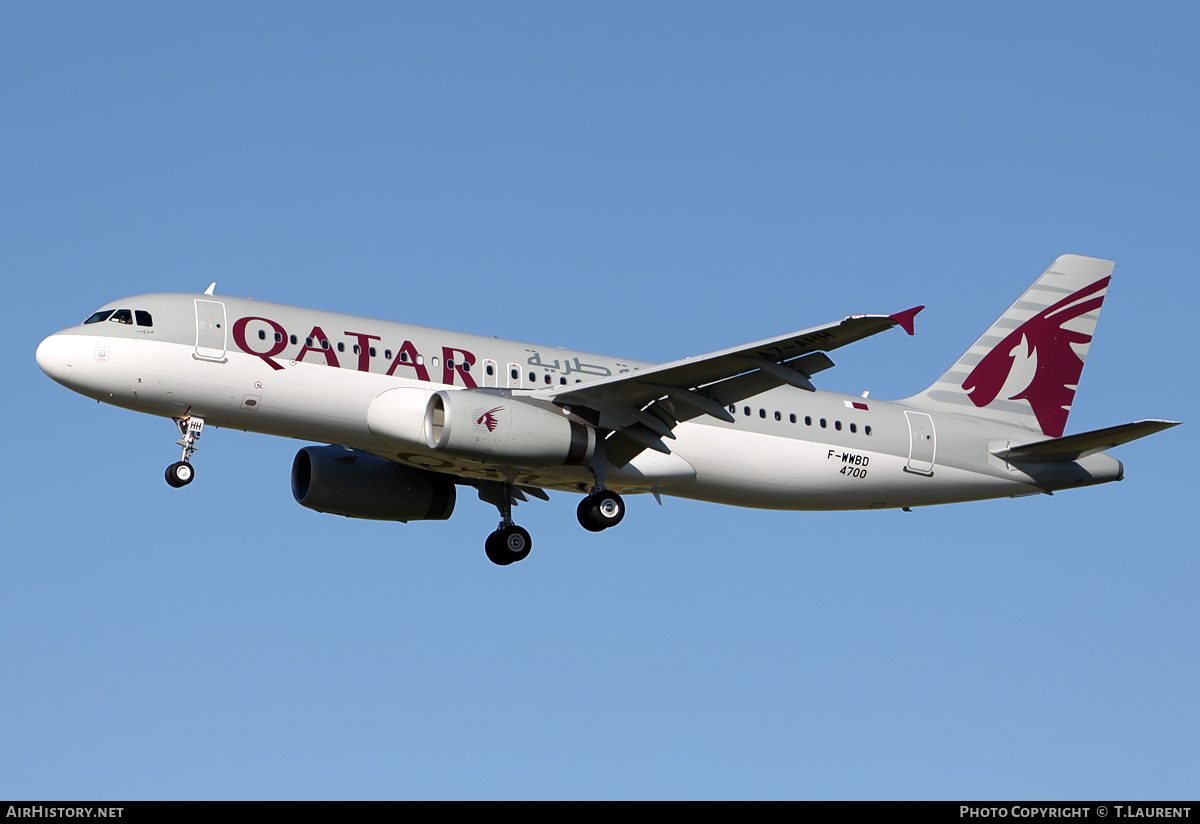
(641, 408)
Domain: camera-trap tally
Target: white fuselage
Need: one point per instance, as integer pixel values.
(315, 375)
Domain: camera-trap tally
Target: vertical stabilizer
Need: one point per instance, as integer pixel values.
(1026, 367)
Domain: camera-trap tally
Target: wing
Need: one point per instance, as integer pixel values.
(641, 408)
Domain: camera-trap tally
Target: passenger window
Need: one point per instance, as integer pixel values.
(562, 381)
(278, 338)
(293, 340)
(778, 417)
(822, 423)
(853, 427)
(262, 334)
(808, 420)
(387, 353)
(122, 316)
(837, 425)
(867, 429)
(745, 410)
(341, 346)
(547, 379)
(99, 316)
(533, 377)
(491, 370)
(404, 357)
(792, 417)
(371, 351)
(514, 374)
(143, 318)
(762, 413)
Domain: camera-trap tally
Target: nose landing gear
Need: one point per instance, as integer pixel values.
(181, 472)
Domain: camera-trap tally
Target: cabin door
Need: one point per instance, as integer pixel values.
(210, 330)
(921, 443)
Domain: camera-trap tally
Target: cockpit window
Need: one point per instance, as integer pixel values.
(122, 316)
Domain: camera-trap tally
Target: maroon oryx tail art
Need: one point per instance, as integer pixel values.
(1026, 367)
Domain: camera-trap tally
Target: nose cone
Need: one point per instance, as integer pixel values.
(56, 355)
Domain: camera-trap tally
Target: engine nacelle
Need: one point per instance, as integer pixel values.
(397, 416)
(484, 426)
(358, 485)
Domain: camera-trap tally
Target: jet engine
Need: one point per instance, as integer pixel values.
(358, 485)
(397, 416)
(485, 426)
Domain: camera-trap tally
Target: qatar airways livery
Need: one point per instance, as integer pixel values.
(410, 413)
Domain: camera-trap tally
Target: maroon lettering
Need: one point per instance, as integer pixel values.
(318, 336)
(364, 352)
(411, 360)
(451, 364)
(280, 340)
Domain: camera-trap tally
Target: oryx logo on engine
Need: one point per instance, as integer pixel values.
(488, 419)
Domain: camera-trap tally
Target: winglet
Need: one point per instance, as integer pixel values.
(211, 288)
(905, 318)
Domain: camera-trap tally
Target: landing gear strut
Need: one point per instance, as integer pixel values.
(600, 510)
(509, 543)
(181, 472)
(603, 508)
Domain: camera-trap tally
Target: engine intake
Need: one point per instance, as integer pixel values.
(358, 485)
(484, 426)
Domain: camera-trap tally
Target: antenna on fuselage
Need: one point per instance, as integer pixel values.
(210, 288)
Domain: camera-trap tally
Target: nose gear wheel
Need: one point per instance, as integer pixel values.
(181, 472)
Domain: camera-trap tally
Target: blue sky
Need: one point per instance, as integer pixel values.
(649, 180)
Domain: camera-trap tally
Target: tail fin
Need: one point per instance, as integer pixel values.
(1026, 367)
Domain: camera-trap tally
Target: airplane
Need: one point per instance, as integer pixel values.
(408, 414)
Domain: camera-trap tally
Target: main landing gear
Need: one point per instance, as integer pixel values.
(509, 543)
(181, 472)
(600, 510)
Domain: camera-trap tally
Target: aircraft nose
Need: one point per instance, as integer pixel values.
(56, 356)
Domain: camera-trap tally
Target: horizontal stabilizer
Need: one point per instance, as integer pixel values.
(1074, 447)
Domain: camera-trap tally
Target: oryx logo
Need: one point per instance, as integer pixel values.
(488, 419)
(1054, 364)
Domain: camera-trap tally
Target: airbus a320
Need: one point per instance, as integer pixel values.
(408, 414)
